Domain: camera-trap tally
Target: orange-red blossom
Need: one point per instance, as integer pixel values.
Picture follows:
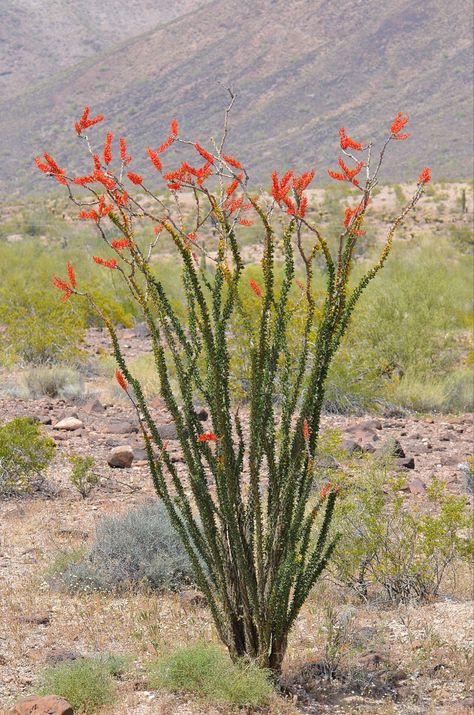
(84, 122)
(121, 380)
(67, 288)
(397, 125)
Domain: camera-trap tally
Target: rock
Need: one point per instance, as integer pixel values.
(352, 447)
(69, 424)
(191, 597)
(94, 407)
(61, 655)
(325, 461)
(167, 431)
(117, 427)
(37, 619)
(373, 658)
(37, 705)
(44, 419)
(202, 414)
(416, 486)
(406, 462)
(391, 447)
(140, 454)
(121, 457)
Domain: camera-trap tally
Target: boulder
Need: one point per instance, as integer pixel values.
(37, 705)
(69, 424)
(121, 457)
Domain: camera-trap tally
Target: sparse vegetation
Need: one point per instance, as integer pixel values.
(137, 548)
(392, 547)
(204, 670)
(25, 452)
(86, 683)
(82, 476)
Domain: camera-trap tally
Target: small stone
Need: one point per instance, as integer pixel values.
(121, 457)
(167, 431)
(416, 487)
(94, 406)
(69, 424)
(117, 427)
(37, 619)
(406, 462)
(191, 597)
(37, 705)
(202, 414)
(352, 447)
(391, 447)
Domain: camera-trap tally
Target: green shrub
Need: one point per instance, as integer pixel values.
(25, 451)
(139, 547)
(54, 382)
(393, 545)
(82, 476)
(203, 670)
(86, 683)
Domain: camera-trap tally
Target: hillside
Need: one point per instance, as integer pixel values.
(38, 39)
(300, 69)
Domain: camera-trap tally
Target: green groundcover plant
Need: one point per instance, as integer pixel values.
(241, 510)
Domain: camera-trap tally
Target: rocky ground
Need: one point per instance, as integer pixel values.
(425, 647)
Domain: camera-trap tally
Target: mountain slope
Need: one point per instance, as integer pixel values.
(37, 39)
(300, 70)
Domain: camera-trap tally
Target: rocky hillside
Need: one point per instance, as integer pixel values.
(300, 69)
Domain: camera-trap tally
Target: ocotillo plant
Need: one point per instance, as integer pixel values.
(257, 537)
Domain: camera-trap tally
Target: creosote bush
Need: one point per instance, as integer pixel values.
(203, 670)
(392, 548)
(82, 475)
(140, 547)
(25, 452)
(242, 510)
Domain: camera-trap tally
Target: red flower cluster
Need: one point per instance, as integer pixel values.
(397, 125)
(425, 176)
(349, 213)
(305, 430)
(208, 437)
(187, 174)
(49, 166)
(103, 209)
(347, 142)
(325, 490)
(134, 178)
(84, 122)
(120, 243)
(121, 380)
(67, 288)
(255, 287)
(232, 161)
(281, 188)
(107, 148)
(234, 184)
(204, 153)
(111, 263)
(125, 158)
(348, 174)
(155, 159)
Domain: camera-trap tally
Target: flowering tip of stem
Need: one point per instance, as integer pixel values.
(425, 175)
(255, 287)
(121, 380)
